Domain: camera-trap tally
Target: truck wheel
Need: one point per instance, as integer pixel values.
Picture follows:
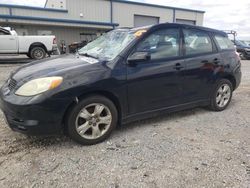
(92, 120)
(37, 53)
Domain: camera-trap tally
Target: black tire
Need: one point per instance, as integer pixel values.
(242, 55)
(214, 105)
(37, 53)
(28, 55)
(73, 118)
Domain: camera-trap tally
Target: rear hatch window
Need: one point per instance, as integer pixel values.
(224, 43)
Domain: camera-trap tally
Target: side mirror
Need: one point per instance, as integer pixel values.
(139, 57)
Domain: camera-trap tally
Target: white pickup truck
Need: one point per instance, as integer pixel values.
(35, 47)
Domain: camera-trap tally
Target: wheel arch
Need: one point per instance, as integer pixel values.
(38, 44)
(109, 95)
(232, 79)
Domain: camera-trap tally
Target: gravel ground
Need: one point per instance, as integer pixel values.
(193, 148)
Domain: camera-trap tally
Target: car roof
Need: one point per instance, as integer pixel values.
(163, 25)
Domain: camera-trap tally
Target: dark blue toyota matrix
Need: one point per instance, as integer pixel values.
(122, 76)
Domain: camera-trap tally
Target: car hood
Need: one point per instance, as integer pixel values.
(55, 66)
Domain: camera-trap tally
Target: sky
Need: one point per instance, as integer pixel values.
(220, 14)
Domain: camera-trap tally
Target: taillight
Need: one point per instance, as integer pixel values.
(235, 50)
(54, 40)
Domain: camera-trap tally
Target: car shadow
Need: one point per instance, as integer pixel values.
(63, 140)
(159, 119)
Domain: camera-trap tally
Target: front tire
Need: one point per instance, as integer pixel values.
(221, 96)
(92, 120)
(28, 55)
(37, 53)
(242, 56)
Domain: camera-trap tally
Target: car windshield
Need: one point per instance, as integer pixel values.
(109, 45)
(240, 43)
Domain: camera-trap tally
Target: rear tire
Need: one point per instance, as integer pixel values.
(92, 120)
(221, 96)
(37, 53)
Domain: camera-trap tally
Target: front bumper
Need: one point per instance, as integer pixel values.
(43, 118)
(247, 55)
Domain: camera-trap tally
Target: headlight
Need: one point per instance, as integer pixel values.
(40, 85)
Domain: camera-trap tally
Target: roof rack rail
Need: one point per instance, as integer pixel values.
(231, 32)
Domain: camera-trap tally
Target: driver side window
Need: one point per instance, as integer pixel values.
(161, 44)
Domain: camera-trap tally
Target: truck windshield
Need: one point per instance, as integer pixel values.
(109, 45)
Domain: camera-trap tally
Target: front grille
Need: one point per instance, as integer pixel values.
(11, 84)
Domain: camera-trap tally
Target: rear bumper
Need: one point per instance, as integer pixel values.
(54, 49)
(44, 118)
(237, 75)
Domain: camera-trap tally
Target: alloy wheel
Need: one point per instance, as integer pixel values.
(223, 95)
(93, 121)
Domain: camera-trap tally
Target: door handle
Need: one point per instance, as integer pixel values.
(11, 38)
(205, 61)
(178, 66)
(216, 61)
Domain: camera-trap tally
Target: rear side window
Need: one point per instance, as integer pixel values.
(224, 43)
(197, 42)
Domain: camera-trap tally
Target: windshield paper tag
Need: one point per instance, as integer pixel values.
(89, 60)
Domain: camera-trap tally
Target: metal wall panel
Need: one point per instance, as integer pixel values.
(56, 4)
(39, 13)
(124, 13)
(91, 10)
(199, 19)
(189, 22)
(68, 34)
(193, 16)
(84, 10)
(100, 11)
(140, 21)
(4, 10)
(49, 24)
(94, 10)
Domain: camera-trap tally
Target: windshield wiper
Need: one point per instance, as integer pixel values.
(87, 55)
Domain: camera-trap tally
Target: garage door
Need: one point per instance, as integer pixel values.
(140, 20)
(183, 21)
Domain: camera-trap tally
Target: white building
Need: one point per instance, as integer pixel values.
(77, 20)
